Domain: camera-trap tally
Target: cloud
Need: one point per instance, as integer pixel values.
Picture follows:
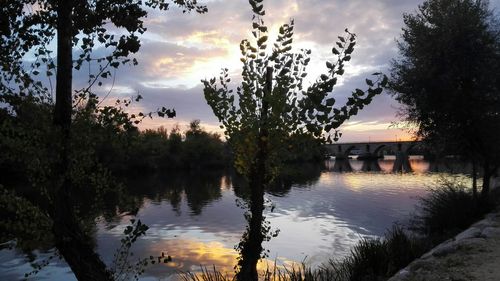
(179, 50)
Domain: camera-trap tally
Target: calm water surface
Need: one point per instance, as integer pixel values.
(196, 219)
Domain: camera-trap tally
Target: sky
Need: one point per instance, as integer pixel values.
(178, 50)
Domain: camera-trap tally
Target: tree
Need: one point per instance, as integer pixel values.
(28, 27)
(447, 79)
(269, 107)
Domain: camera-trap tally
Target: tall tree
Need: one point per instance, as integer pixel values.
(447, 79)
(28, 27)
(269, 107)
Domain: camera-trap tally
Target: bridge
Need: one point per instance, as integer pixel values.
(369, 152)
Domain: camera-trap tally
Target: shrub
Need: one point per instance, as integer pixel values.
(447, 210)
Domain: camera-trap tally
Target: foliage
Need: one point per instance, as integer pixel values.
(30, 26)
(29, 144)
(121, 147)
(446, 78)
(28, 29)
(447, 210)
(303, 148)
(23, 222)
(379, 259)
(203, 149)
(158, 150)
(123, 268)
(105, 141)
(286, 108)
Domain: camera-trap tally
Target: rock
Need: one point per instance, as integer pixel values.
(401, 275)
(483, 223)
(491, 232)
(422, 265)
(493, 216)
(476, 244)
(473, 254)
(472, 232)
(444, 249)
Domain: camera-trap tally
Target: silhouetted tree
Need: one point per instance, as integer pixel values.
(272, 106)
(28, 27)
(447, 79)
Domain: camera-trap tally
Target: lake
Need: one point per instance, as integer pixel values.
(197, 218)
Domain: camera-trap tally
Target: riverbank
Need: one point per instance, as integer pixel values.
(473, 254)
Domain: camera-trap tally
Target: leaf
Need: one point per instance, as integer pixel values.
(262, 40)
(369, 82)
(335, 51)
(359, 92)
(330, 101)
(384, 82)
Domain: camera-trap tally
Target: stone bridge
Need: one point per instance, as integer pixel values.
(369, 152)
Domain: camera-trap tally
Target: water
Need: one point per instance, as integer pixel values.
(196, 219)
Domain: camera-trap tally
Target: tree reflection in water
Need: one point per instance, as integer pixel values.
(259, 229)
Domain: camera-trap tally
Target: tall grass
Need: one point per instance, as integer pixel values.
(205, 275)
(378, 259)
(295, 273)
(447, 210)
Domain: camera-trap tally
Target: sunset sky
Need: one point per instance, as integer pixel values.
(181, 49)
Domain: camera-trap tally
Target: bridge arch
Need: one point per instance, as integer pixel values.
(381, 147)
(349, 149)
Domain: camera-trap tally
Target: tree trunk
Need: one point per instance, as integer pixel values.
(252, 247)
(71, 242)
(474, 179)
(486, 179)
(64, 78)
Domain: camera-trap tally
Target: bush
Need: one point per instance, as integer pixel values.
(377, 259)
(447, 210)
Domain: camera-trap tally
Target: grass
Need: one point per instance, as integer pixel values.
(447, 210)
(378, 259)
